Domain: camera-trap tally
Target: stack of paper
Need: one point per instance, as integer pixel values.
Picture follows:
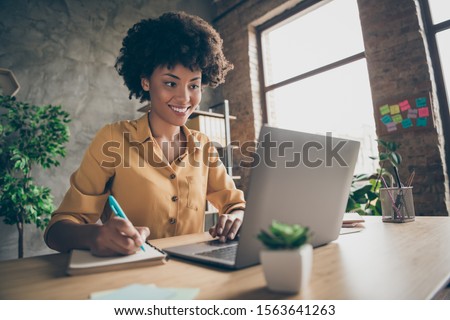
(351, 219)
(146, 292)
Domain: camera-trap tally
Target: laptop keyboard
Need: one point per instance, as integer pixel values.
(225, 253)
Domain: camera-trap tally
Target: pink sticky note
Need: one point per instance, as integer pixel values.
(403, 103)
(404, 106)
(423, 112)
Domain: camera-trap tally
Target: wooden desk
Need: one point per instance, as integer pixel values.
(384, 261)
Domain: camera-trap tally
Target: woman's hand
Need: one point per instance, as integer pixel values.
(228, 226)
(118, 236)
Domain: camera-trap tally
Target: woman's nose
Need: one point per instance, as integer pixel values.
(182, 95)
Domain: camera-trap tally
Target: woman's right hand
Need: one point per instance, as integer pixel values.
(118, 236)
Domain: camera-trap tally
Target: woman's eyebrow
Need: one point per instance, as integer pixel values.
(176, 77)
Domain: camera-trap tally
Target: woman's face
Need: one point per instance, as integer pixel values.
(175, 93)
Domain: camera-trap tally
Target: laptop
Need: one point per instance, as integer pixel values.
(296, 177)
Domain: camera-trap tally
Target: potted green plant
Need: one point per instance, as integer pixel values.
(30, 136)
(287, 256)
(364, 196)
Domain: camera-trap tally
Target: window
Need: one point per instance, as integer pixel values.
(436, 17)
(315, 74)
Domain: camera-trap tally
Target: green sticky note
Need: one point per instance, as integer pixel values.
(421, 122)
(397, 118)
(406, 123)
(395, 108)
(386, 119)
(384, 110)
(421, 102)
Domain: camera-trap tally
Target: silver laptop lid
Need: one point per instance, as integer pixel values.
(297, 178)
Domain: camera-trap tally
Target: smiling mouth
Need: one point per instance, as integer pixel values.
(179, 110)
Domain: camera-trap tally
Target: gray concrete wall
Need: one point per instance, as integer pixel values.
(63, 52)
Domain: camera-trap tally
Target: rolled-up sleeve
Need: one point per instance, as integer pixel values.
(85, 200)
(221, 190)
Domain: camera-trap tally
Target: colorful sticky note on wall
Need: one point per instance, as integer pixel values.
(384, 109)
(423, 112)
(421, 122)
(412, 113)
(421, 102)
(395, 109)
(392, 126)
(386, 119)
(404, 105)
(397, 118)
(406, 123)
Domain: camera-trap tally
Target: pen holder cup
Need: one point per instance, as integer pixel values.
(397, 204)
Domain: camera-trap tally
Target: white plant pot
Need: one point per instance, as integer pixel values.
(287, 271)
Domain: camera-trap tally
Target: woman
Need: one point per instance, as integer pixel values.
(159, 171)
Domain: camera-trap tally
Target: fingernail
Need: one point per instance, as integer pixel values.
(219, 232)
(231, 235)
(222, 239)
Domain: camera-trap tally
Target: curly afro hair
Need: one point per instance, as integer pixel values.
(173, 38)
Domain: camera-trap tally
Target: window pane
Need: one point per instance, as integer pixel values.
(443, 41)
(440, 10)
(325, 35)
(338, 101)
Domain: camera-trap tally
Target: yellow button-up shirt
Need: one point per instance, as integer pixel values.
(125, 160)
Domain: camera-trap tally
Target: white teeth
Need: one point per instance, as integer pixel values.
(181, 110)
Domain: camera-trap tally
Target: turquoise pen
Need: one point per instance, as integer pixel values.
(118, 211)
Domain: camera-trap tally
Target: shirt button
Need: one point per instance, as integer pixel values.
(174, 198)
(172, 220)
(172, 176)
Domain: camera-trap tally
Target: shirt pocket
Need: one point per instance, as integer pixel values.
(195, 195)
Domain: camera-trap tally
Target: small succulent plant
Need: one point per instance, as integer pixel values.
(284, 236)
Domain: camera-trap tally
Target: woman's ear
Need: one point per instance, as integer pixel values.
(145, 83)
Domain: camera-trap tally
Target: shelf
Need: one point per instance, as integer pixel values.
(209, 114)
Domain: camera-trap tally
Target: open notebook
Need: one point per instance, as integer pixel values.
(83, 262)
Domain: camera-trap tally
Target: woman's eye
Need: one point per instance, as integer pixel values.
(170, 84)
(195, 86)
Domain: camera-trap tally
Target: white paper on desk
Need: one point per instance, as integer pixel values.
(352, 218)
(350, 230)
(84, 259)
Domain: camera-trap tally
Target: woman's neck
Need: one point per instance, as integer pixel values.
(162, 130)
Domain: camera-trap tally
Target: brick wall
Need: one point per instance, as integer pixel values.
(398, 64)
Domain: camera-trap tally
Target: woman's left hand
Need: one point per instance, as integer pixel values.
(228, 226)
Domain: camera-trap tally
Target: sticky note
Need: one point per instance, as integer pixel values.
(392, 126)
(423, 112)
(135, 292)
(421, 102)
(421, 122)
(386, 119)
(404, 105)
(384, 110)
(395, 109)
(397, 118)
(406, 123)
(412, 113)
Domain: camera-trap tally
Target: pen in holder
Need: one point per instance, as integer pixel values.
(397, 204)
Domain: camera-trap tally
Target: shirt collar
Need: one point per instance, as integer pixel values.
(144, 133)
